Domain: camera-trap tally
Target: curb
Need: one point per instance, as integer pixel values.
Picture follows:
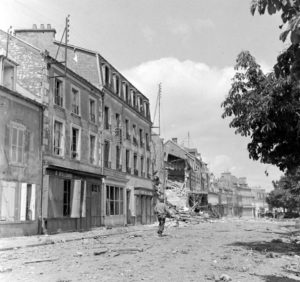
(73, 239)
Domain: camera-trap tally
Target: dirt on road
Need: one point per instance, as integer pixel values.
(216, 250)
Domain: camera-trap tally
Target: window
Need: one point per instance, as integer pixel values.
(114, 200)
(147, 110)
(58, 138)
(134, 135)
(9, 73)
(106, 154)
(116, 84)
(141, 138)
(17, 202)
(17, 144)
(148, 168)
(92, 109)
(67, 198)
(75, 101)
(75, 143)
(125, 91)
(142, 165)
(133, 98)
(106, 75)
(136, 172)
(58, 92)
(92, 149)
(147, 142)
(127, 160)
(106, 118)
(118, 158)
(127, 129)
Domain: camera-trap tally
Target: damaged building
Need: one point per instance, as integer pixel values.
(186, 175)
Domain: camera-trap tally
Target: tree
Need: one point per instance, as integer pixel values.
(286, 192)
(265, 107)
(280, 198)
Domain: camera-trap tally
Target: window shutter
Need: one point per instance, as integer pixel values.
(23, 201)
(7, 142)
(26, 145)
(75, 207)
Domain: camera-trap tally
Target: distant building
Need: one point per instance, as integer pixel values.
(185, 165)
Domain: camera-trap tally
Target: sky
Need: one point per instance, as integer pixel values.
(190, 47)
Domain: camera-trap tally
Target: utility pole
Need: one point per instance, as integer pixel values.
(67, 41)
(159, 97)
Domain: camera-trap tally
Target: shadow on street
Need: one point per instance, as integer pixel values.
(264, 247)
(273, 278)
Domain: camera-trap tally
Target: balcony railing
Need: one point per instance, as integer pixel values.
(107, 164)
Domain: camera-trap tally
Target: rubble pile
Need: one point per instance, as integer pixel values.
(177, 202)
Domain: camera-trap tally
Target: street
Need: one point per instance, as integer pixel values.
(215, 250)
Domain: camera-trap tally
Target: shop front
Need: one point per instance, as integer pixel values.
(71, 200)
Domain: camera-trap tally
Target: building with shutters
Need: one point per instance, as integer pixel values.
(96, 137)
(20, 155)
(127, 186)
(71, 148)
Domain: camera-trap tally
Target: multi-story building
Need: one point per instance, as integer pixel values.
(185, 165)
(71, 195)
(126, 124)
(20, 155)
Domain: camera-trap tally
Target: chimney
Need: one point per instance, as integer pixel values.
(175, 140)
(41, 38)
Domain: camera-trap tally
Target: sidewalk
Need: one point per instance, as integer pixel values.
(12, 243)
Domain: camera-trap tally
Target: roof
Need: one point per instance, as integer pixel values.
(16, 94)
(75, 47)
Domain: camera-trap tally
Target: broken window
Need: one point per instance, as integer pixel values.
(58, 138)
(58, 92)
(75, 101)
(75, 143)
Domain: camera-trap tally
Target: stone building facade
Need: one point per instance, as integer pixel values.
(20, 156)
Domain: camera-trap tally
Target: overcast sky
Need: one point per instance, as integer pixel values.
(190, 46)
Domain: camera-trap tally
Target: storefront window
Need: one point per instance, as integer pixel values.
(114, 200)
